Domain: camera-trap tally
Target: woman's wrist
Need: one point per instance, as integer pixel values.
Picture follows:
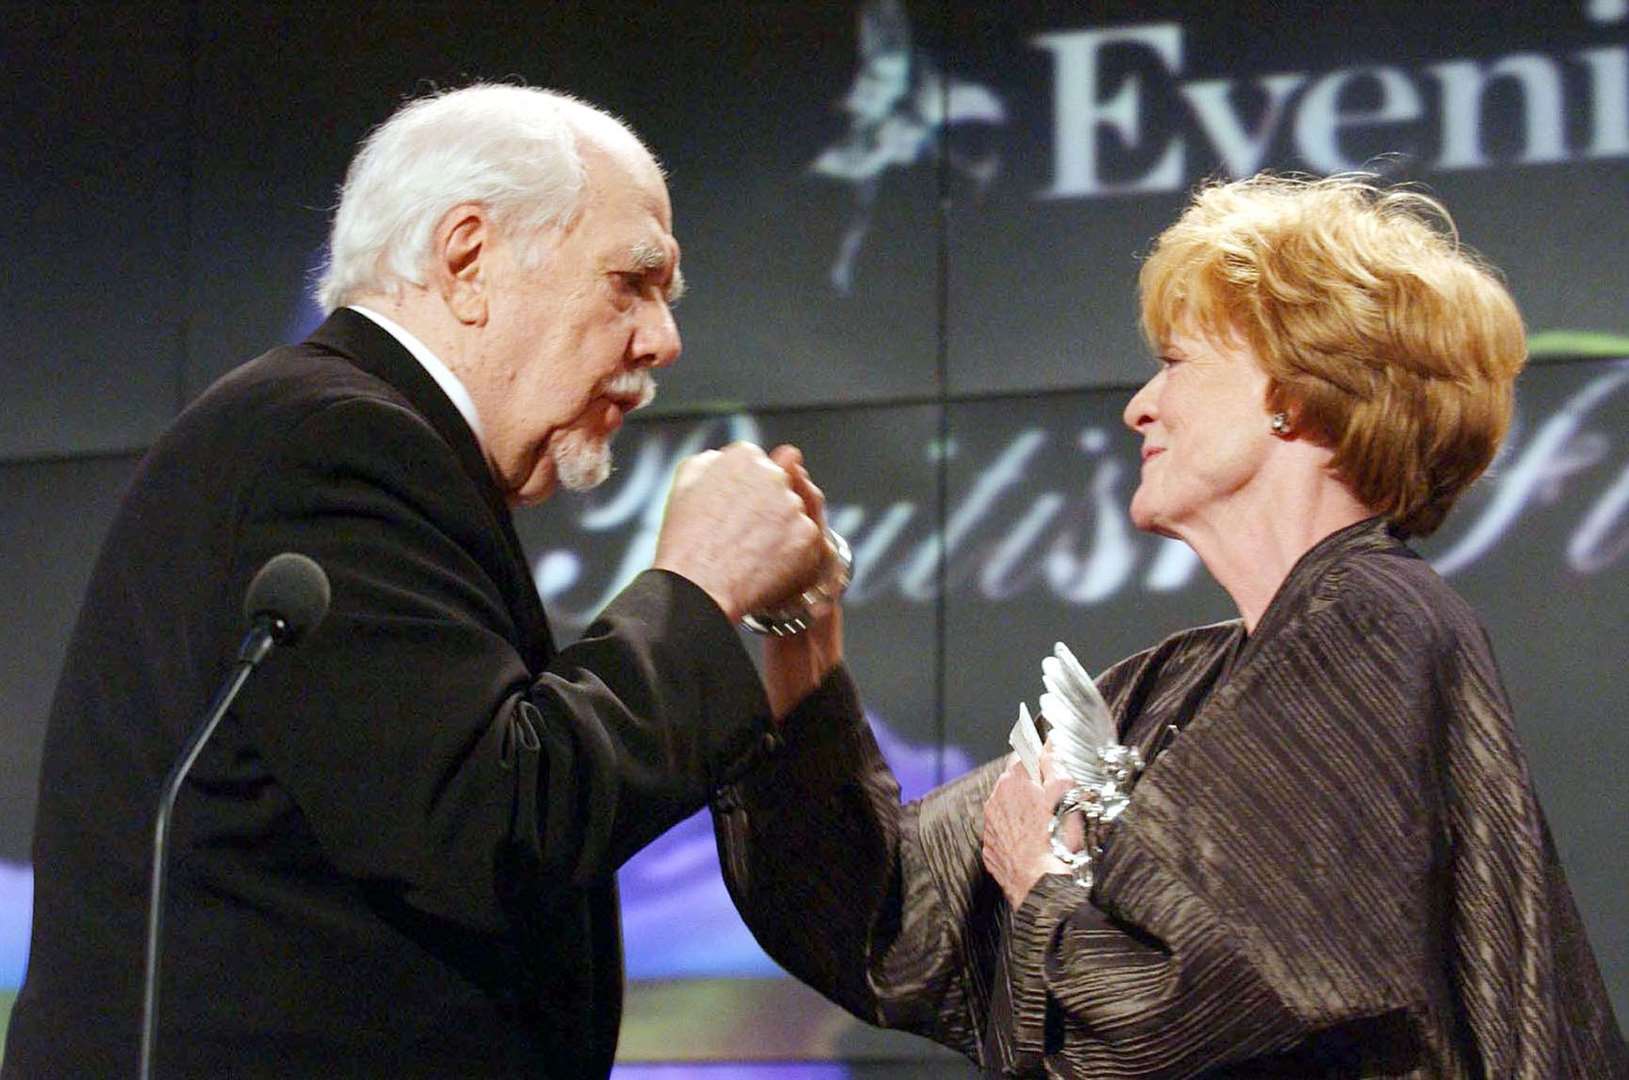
(794, 667)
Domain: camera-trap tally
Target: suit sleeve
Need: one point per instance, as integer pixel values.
(831, 874)
(425, 756)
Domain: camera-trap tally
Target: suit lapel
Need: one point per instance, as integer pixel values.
(365, 344)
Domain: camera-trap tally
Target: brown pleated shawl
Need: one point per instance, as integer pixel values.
(1338, 868)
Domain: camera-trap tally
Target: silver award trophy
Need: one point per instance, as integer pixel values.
(1083, 737)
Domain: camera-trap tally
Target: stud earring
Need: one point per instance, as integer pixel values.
(1281, 423)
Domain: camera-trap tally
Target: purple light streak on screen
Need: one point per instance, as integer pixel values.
(16, 908)
(677, 918)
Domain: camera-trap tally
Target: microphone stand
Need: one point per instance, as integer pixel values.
(257, 645)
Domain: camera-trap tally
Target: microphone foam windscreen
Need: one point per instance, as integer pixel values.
(290, 587)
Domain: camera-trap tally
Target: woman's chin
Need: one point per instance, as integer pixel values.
(1142, 514)
(1147, 519)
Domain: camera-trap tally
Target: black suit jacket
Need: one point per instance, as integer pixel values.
(396, 856)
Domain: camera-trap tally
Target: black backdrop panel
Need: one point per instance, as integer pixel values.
(739, 100)
(52, 518)
(1519, 124)
(93, 224)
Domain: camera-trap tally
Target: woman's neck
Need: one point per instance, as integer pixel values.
(1250, 545)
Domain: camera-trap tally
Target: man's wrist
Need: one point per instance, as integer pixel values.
(732, 611)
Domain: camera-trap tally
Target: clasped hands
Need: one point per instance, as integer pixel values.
(748, 528)
(1017, 816)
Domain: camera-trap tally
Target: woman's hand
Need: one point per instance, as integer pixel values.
(794, 666)
(1073, 833)
(1017, 816)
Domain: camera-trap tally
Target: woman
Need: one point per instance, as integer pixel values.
(1338, 867)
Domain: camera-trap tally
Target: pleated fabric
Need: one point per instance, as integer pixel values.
(1338, 868)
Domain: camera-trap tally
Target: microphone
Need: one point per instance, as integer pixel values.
(286, 600)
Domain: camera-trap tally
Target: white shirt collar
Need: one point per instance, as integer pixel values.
(440, 372)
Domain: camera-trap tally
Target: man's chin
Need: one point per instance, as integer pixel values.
(581, 462)
(536, 489)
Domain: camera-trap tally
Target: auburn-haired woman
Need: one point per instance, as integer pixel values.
(1331, 861)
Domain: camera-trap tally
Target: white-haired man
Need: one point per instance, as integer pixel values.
(396, 856)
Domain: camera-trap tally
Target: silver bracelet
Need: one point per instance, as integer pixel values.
(1082, 800)
(796, 615)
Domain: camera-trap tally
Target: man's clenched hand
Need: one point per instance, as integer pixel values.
(736, 526)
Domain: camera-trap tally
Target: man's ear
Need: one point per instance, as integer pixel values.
(459, 251)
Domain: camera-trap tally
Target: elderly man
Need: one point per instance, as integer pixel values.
(396, 856)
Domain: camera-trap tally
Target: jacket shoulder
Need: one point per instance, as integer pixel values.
(1396, 589)
(283, 386)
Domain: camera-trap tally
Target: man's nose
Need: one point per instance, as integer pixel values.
(656, 341)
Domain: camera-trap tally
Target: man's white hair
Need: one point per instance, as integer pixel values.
(513, 149)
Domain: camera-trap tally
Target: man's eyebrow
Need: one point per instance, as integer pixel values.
(645, 257)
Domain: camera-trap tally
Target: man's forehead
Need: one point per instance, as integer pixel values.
(623, 164)
(635, 210)
(626, 224)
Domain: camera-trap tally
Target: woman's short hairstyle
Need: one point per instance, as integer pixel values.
(512, 149)
(1382, 337)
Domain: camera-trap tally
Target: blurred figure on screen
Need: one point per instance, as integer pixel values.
(1332, 861)
(396, 857)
